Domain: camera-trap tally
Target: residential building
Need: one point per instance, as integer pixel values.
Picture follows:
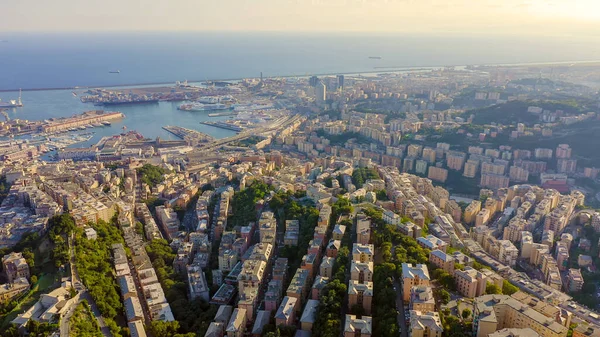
(237, 323)
(286, 314)
(496, 312)
(360, 294)
(358, 327)
(421, 299)
(15, 266)
(416, 275)
(425, 324)
(441, 260)
(470, 282)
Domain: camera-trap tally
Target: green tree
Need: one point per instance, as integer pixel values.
(492, 289)
(508, 288)
(151, 175)
(466, 313)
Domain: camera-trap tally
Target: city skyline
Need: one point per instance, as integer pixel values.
(530, 17)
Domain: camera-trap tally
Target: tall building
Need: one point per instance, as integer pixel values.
(313, 81)
(321, 92)
(471, 168)
(340, 83)
(566, 165)
(563, 151)
(437, 174)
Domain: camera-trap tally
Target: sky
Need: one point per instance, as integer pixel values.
(519, 17)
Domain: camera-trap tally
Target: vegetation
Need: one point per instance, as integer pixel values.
(342, 138)
(4, 188)
(93, 258)
(34, 329)
(191, 315)
(516, 112)
(492, 289)
(382, 195)
(361, 175)
(244, 203)
(151, 175)
(508, 288)
(453, 327)
(83, 323)
(286, 208)
(167, 329)
(61, 228)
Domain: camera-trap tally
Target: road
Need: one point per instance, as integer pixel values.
(399, 303)
(400, 308)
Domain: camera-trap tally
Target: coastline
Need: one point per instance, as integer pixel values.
(376, 70)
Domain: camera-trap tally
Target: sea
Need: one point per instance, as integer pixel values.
(43, 63)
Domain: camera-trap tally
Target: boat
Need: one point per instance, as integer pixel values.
(114, 72)
(106, 123)
(82, 127)
(12, 103)
(97, 125)
(126, 102)
(203, 107)
(375, 57)
(74, 93)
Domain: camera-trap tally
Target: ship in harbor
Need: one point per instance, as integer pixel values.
(203, 107)
(12, 103)
(114, 72)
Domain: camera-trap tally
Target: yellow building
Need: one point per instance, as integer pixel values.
(496, 312)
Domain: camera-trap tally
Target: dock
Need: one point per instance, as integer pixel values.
(220, 114)
(225, 126)
(191, 136)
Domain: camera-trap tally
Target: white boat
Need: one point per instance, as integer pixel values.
(203, 107)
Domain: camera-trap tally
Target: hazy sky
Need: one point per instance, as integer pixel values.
(547, 17)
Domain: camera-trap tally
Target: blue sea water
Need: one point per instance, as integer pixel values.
(65, 60)
(59, 60)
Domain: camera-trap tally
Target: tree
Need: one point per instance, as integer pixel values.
(492, 289)
(163, 329)
(508, 288)
(443, 295)
(34, 279)
(466, 313)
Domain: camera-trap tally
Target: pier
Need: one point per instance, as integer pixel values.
(192, 137)
(224, 126)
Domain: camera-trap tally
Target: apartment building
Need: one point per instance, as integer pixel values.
(412, 276)
(496, 312)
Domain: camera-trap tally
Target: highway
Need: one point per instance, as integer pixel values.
(268, 130)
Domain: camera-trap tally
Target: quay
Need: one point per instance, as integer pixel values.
(190, 136)
(224, 126)
(86, 118)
